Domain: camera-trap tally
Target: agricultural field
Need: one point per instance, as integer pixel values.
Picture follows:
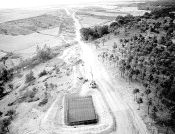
(91, 16)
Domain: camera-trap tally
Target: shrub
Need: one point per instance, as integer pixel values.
(115, 45)
(94, 33)
(11, 86)
(29, 77)
(57, 70)
(1, 113)
(32, 94)
(29, 94)
(44, 72)
(35, 90)
(10, 113)
(5, 75)
(2, 91)
(4, 125)
(33, 99)
(43, 102)
(44, 54)
(52, 86)
(10, 104)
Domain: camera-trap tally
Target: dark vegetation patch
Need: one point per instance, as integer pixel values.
(5, 76)
(6, 121)
(44, 100)
(99, 31)
(44, 72)
(156, 5)
(1, 113)
(94, 33)
(29, 77)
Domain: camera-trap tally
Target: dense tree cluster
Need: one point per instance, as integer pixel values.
(150, 61)
(99, 31)
(94, 33)
(156, 21)
(5, 75)
(149, 57)
(5, 122)
(156, 5)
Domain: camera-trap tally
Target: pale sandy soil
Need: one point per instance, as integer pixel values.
(28, 113)
(50, 118)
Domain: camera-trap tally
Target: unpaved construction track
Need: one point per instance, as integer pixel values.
(127, 120)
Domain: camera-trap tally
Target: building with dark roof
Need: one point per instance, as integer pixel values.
(80, 111)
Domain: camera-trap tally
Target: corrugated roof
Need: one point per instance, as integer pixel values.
(80, 109)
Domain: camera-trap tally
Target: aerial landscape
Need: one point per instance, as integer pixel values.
(87, 67)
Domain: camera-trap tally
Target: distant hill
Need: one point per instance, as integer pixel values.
(157, 4)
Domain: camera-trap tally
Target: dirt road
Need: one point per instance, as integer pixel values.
(127, 120)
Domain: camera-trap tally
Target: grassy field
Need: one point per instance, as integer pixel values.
(33, 24)
(91, 16)
(22, 36)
